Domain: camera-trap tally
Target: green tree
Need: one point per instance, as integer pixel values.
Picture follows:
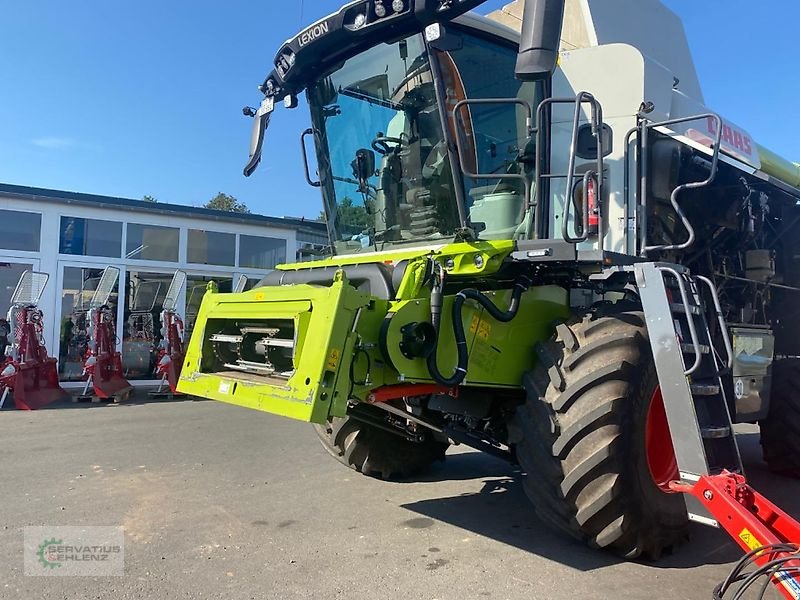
(148, 198)
(227, 203)
(349, 215)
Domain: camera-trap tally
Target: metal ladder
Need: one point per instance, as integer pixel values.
(690, 372)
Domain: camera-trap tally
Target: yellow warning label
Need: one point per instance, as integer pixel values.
(260, 296)
(749, 539)
(333, 359)
(480, 328)
(473, 326)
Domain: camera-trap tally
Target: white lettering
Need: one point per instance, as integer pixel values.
(312, 34)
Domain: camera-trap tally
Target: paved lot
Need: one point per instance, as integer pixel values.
(221, 502)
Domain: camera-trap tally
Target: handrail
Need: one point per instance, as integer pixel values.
(686, 186)
(723, 326)
(596, 121)
(689, 319)
(499, 176)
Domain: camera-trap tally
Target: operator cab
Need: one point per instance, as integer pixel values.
(421, 140)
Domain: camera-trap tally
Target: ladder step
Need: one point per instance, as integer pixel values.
(714, 433)
(689, 348)
(704, 389)
(681, 309)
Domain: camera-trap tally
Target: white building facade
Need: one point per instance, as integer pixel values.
(72, 237)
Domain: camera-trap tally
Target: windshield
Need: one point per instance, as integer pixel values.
(383, 159)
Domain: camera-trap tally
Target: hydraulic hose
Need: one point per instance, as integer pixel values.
(520, 286)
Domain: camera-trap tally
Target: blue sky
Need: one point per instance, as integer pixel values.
(134, 98)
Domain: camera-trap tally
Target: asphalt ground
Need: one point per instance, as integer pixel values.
(222, 502)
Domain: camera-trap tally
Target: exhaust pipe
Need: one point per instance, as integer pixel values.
(541, 36)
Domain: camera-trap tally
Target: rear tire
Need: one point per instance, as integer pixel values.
(780, 431)
(376, 452)
(581, 437)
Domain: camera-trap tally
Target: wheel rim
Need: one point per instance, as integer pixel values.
(660, 452)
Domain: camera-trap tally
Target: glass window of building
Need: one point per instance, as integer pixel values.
(90, 237)
(141, 325)
(196, 286)
(9, 277)
(211, 248)
(151, 242)
(78, 286)
(256, 252)
(20, 230)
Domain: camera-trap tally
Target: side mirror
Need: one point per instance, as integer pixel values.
(260, 124)
(541, 36)
(587, 143)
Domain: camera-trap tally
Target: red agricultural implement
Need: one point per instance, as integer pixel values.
(171, 351)
(28, 373)
(102, 365)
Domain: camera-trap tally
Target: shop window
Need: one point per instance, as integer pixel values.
(196, 286)
(151, 242)
(141, 324)
(90, 237)
(9, 277)
(76, 293)
(211, 248)
(257, 252)
(20, 230)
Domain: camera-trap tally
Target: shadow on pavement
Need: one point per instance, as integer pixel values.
(501, 511)
(138, 397)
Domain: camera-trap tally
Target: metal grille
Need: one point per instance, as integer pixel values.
(105, 287)
(174, 291)
(29, 288)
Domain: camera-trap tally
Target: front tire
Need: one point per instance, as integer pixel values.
(780, 431)
(378, 453)
(582, 437)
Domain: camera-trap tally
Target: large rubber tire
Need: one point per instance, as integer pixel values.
(780, 431)
(580, 437)
(376, 452)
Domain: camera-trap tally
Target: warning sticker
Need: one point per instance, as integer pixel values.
(479, 327)
(473, 326)
(333, 359)
(749, 539)
(224, 387)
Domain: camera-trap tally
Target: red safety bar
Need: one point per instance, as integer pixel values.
(405, 390)
(753, 522)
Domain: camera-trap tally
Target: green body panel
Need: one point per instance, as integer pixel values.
(779, 167)
(493, 251)
(347, 343)
(323, 318)
(500, 353)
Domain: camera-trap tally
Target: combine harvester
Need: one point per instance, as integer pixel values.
(102, 365)
(571, 264)
(29, 374)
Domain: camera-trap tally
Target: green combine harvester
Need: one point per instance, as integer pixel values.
(571, 264)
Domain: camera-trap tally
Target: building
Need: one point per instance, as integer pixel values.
(73, 237)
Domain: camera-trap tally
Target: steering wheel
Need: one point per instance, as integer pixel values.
(381, 144)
